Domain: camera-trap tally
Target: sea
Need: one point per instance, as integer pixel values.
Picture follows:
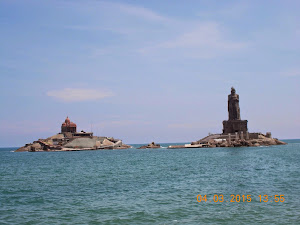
(246, 185)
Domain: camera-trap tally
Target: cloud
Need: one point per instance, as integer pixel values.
(140, 12)
(148, 32)
(117, 10)
(129, 22)
(79, 95)
(204, 40)
(205, 35)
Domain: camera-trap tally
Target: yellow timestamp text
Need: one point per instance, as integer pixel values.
(240, 198)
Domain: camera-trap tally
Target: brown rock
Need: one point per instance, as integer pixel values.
(107, 142)
(36, 146)
(151, 145)
(254, 141)
(237, 144)
(142, 147)
(22, 149)
(224, 144)
(248, 143)
(124, 146)
(279, 142)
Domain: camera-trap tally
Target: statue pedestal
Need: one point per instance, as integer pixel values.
(232, 126)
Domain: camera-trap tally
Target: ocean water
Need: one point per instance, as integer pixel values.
(150, 186)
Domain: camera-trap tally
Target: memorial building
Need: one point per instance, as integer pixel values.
(234, 123)
(68, 126)
(69, 129)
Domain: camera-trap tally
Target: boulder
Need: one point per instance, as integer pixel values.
(23, 149)
(248, 143)
(123, 147)
(224, 144)
(254, 141)
(143, 147)
(107, 142)
(212, 142)
(279, 142)
(151, 145)
(37, 146)
(118, 144)
(237, 144)
(272, 141)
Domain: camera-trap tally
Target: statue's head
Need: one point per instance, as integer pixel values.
(232, 91)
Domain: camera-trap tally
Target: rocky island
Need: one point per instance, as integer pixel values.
(71, 140)
(151, 145)
(235, 131)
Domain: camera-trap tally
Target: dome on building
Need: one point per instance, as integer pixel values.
(72, 124)
(68, 126)
(67, 120)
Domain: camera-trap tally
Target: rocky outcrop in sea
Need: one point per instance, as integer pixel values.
(151, 145)
(221, 140)
(60, 142)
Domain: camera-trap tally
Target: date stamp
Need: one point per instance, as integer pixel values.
(240, 198)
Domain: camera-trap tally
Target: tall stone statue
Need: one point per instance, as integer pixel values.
(233, 105)
(234, 124)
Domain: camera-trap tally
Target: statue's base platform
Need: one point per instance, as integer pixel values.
(233, 126)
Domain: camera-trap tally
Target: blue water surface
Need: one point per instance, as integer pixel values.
(150, 186)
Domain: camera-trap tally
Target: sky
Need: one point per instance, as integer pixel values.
(145, 71)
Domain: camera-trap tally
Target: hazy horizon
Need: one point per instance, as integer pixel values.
(147, 71)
